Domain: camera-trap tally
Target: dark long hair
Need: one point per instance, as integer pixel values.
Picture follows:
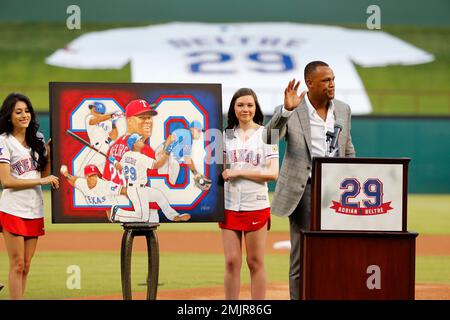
(232, 118)
(34, 141)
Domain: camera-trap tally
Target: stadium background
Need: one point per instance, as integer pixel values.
(411, 118)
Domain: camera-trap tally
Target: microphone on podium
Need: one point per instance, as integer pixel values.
(333, 149)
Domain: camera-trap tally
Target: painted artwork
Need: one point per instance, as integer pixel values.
(136, 152)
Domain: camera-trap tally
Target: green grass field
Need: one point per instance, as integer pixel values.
(421, 89)
(100, 272)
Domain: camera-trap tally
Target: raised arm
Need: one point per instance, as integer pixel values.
(163, 156)
(277, 126)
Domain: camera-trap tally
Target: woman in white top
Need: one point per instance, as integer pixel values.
(24, 168)
(249, 165)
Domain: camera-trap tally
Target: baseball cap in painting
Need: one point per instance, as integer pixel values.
(139, 106)
(196, 125)
(90, 170)
(98, 107)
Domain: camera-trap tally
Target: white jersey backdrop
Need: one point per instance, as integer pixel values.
(262, 56)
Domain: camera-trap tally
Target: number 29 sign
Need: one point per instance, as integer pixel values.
(362, 196)
(134, 152)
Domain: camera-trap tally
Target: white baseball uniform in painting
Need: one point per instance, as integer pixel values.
(99, 138)
(247, 154)
(27, 203)
(103, 193)
(135, 167)
(171, 167)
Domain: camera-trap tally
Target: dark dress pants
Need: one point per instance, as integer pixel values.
(299, 219)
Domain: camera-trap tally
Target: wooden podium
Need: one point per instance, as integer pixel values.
(358, 246)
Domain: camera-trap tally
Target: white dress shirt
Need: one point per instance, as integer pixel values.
(319, 129)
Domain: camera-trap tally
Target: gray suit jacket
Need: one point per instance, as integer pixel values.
(297, 162)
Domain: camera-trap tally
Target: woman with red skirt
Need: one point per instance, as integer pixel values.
(249, 164)
(24, 168)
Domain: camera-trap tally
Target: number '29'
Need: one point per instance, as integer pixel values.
(372, 188)
(214, 62)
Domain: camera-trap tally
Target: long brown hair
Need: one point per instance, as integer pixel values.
(32, 137)
(233, 121)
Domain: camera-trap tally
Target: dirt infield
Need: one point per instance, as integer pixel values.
(210, 242)
(203, 242)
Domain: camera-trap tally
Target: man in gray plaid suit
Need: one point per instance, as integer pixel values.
(303, 121)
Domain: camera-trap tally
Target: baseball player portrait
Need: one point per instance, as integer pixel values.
(102, 131)
(24, 168)
(134, 165)
(139, 117)
(181, 150)
(100, 118)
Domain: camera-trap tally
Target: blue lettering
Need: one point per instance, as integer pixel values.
(180, 43)
(95, 200)
(236, 41)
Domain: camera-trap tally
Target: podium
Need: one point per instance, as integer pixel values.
(358, 246)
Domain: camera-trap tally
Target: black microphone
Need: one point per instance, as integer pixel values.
(330, 136)
(336, 133)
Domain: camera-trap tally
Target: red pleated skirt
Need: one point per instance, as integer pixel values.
(21, 226)
(246, 220)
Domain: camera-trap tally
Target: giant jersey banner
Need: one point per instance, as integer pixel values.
(136, 152)
(262, 56)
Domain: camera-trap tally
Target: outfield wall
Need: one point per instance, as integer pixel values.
(399, 12)
(426, 140)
